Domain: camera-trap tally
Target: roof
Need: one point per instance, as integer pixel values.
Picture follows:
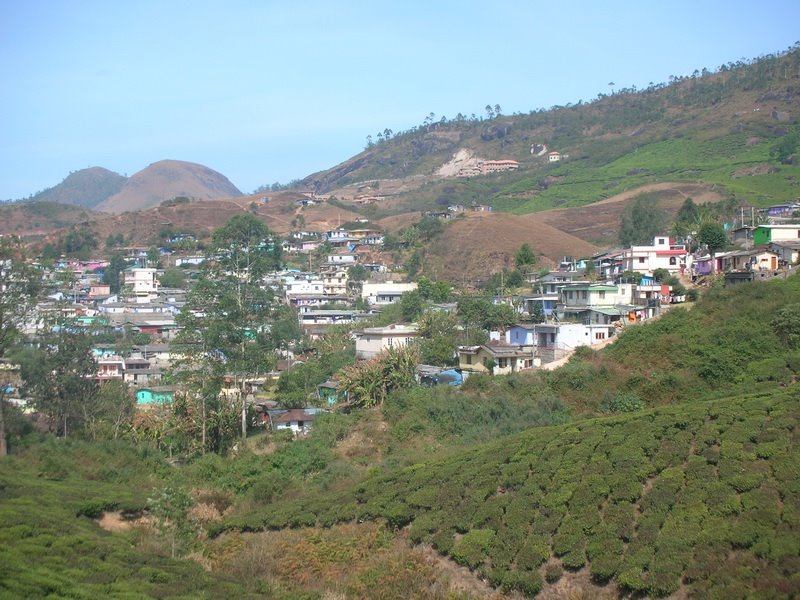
(611, 312)
(396, 329)
(295, 414)
(591, 288)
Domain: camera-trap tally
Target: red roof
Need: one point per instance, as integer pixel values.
(296, 414)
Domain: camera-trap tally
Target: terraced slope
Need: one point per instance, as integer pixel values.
(702, 498)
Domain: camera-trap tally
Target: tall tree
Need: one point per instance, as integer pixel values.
(525, 257)
(60, 377)
(225, 322)
(641, 221)
(713, 237)
(19, 286)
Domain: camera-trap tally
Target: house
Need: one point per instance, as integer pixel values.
(553, 156)
(99, 291)
(334, 281)
(521, 334)
(296, 420)
(766, 234)
(195, 259)
(663, 254)
(329, 392)
(371, 341)
(386, 292)
(789, 252)
(547, 302)
(742, 236)
(757, 259)
(495, 358)
(303, 286)
(555, 340)
(155, 395)
(782, 211)
(110, 367)
(142, 283)
(342, 259)
(498, 166)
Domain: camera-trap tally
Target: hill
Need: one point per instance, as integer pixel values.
(33, 220)
(695, 495)
(721, 129)
(165, 180)
(484, 243)
(87, 188)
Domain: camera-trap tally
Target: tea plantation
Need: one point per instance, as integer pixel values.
(704, 495)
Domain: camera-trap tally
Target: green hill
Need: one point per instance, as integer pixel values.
(702, 495)
(86, 188)
(723, 128)
(698, 493)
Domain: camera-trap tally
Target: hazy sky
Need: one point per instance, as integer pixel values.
(266, 91)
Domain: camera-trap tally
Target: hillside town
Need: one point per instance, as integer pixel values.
(584, 302)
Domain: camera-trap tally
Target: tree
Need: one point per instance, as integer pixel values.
(60, 377)
(369, 382)
(786, 325)
(19, 286)
(537, 313)
(641, 221)
(170, 508)
(153, 257)
(411, 305)
(111, 275)
(172, 277)
(225, 329)
(439, 333)
(111, 412)
(713, 237)
(525, 257)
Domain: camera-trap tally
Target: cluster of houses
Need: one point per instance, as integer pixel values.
(580, 304)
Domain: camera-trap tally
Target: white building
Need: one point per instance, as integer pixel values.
(675, 258)
(303, 286)
(384, 293)
(141, 284)
(371, 341)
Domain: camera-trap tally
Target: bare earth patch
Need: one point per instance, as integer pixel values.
(116, 522)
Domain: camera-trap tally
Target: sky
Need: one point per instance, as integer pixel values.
(266, 91)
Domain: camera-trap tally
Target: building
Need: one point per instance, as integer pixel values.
(386, 292)
(663, 254)
(495, 358)
(766, 234)
(371, 341)
(141, 284)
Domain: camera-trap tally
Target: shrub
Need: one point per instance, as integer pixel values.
(553, 572)
(471, 549)
(529, 582)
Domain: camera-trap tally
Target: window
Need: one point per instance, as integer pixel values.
(673, 260)
(469, 359)
(502, 363)
(599, 335)
(601, 294)
(641, 260)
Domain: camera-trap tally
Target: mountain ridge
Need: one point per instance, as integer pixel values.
(103, 190)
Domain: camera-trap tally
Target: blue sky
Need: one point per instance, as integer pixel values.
(266, 91)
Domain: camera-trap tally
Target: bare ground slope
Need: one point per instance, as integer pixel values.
(598, 223)
(167, 179)
(478, 244)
